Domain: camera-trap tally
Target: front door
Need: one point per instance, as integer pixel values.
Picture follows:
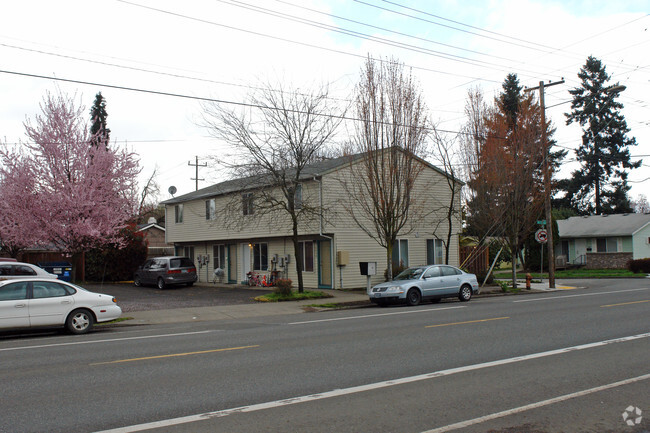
(232, 264)
(245, 262)
(325, 264)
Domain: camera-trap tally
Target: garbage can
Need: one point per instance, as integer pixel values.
(62, 269)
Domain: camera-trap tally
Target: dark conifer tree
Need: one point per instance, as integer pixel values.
(600, 185)
(100, 134)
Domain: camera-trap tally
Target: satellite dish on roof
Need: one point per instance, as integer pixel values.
(172, 190)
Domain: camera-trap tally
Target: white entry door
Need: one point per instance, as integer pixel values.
(245, 262)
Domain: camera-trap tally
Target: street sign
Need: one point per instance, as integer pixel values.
(541, 236)
(541, 222)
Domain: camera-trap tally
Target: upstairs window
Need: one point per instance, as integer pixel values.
(247, 203)
(297, 197)
(178, 213)
(210, 209)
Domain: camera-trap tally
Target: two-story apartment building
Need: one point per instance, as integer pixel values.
(220, 228)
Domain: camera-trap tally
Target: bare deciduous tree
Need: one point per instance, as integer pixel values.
(389, 136)
(272, 143)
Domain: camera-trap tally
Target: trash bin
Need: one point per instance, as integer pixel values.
(62, 269)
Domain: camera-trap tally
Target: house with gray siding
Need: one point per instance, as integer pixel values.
(219, 229)
(604, 241)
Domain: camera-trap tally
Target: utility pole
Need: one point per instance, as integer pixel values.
(197, 165)
(547, 183)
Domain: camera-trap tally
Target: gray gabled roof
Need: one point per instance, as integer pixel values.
(602, 225)
(309, 172)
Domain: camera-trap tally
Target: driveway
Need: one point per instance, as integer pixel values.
(132, 298)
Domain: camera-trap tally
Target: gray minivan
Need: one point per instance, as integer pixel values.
(166, 271)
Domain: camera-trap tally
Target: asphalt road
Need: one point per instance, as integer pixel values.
(569, 361)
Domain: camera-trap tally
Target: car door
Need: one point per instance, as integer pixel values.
(431, 282)
(50, 303)
(450, 279)
(145, 272)
(14, 311)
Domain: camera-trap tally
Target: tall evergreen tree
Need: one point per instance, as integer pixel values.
(99, 131)
(600, 185)
(510, 100)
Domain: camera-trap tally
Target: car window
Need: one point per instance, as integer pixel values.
(147, 264)
(432, 272)
(159, 264)
(5, 269)
(448, 270)
(14, 291)
(409, 274)
(181, 262)
(47, 289)
(23, 270)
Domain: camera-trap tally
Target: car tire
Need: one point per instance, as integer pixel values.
(80, 321)
(465, 293)
(137, 282)
(413, 297)
(160, 283)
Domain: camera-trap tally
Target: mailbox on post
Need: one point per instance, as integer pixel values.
(368, 268)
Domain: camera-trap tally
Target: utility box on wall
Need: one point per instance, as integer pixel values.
(342, 258)
(368, 268)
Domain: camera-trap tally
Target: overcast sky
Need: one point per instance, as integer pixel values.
(223, 49)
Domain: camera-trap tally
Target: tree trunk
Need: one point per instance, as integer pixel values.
(296, 253)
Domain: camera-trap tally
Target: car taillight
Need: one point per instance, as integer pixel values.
(193, 270)
(174, 271)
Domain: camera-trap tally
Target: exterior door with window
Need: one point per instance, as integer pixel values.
(432, 282)
(49, 304)
(325, 264)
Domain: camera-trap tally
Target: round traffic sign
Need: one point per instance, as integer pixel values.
(541, 236)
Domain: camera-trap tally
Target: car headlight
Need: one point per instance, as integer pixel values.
(395, 289)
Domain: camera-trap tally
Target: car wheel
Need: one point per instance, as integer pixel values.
(465, 293)
(413, 297)
(161, 283)
(137, 282)
(190, 284)
(80, 321)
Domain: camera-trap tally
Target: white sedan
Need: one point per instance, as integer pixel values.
(44, 302)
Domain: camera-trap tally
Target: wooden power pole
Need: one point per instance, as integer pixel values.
(547, 183)
(197, 165)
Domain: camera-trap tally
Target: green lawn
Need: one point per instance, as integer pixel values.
(295, 296)
(575, 273)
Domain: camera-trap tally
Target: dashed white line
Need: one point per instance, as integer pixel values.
(368, 387)
(555, 298)
(371, 316)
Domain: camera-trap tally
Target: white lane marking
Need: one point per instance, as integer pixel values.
(361, 388)
(550, 401)
(555, 298)
(74, 343)
(370, 316)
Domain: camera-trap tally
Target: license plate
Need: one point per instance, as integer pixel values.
(377, 295)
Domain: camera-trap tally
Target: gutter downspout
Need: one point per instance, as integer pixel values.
(320, 230)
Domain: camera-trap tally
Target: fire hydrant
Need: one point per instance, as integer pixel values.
(528, 279)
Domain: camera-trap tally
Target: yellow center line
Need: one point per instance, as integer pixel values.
(463, 323)
(624, 303)
(174, 355)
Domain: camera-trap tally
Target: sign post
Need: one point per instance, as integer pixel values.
(541, 236)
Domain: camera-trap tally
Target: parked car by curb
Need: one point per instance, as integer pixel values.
(46, 302)
(433, 282)
(14, 270)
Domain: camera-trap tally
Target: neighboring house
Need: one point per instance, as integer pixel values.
(604, 241)
(332, 245)
(155, 236)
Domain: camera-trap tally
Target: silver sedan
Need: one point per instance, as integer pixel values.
(432, 282)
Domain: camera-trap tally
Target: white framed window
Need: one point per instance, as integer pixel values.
(435, 249)
(247, 203)
(178, 213)
(306, 251)
(210, 209)
(401, 253)
(260, 256)
(297, 197)
(219, 256)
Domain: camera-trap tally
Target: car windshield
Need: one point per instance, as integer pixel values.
(409, 274)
